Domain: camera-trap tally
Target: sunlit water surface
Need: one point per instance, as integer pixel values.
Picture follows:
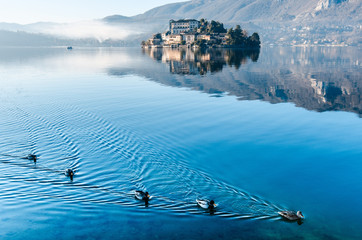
(258, 132)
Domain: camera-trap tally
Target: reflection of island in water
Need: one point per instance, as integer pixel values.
(201, 61)
(319, 79)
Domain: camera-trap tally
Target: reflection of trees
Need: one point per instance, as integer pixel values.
(239, 57)
(318, 79)
(202, 61)
(332, 93)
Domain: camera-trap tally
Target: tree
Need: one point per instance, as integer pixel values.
(201, 43)
(216, 27)
(203, 25)
(254, 40)
(157, 36)
(237, 37)
(230, 37)
(255, 37)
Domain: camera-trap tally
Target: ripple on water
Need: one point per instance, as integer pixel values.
(111, 162)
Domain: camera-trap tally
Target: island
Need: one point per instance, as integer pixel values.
(202, 34)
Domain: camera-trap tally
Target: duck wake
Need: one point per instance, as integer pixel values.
(111, 163)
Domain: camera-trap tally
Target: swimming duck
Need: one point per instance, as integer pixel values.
(32, 157)
(291, 215)
(206, 204)
(145, 196)
(69, 173)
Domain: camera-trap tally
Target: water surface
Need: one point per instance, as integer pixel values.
(258, 131)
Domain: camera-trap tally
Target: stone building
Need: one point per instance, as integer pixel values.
(183, 25)
(189, 37)
(174, 39)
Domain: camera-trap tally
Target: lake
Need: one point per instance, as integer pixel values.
(258, 131)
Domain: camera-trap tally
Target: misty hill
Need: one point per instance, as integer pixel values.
(19, 38)
(117, 18)
(112, 31)
(27, 39)
(95, 33)
(30, 28)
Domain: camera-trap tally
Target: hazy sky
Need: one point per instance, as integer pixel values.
(29, 11)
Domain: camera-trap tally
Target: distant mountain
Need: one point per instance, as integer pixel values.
(281, 22)
(231, 11)
(277, 21)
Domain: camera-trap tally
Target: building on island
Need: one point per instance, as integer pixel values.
(189, 38)
(193, 33)
(174, 39)
(180, 32)
(183, 25)
(206, 37)
(165, 35)
(155, 41)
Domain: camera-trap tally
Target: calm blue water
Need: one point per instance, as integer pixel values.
(258, 132)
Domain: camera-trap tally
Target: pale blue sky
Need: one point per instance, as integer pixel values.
(29, 11)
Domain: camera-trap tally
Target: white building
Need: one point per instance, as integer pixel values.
(183, 25)
(174, 39)
(165, 35)
(189, 37)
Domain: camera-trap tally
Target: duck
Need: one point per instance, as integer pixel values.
(206, 204)
(32, 157)
(69, 173)
(291, 215)
(144, 196)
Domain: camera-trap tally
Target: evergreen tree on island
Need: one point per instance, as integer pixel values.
(238, 37)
